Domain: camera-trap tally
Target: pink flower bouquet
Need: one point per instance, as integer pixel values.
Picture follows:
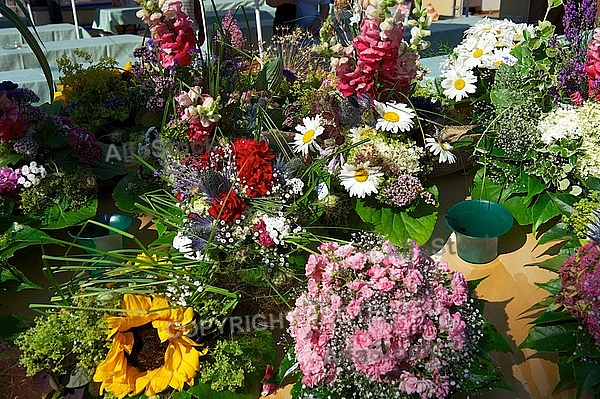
(386, 323)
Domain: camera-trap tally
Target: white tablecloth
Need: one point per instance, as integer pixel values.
(47, 33)
(119, 47)
(107, 19)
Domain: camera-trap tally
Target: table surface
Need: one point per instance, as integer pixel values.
(47, 33)
(119, 47)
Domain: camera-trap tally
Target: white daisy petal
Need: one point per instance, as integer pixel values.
(394, 117)
(360, 180)
(305, 139)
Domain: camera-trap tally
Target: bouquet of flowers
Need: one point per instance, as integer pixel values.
(380, 320)
(47, 178)
(567, 321)
(485, 46)
(537, 152)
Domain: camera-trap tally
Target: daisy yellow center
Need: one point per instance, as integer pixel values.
(459, 84)
(478, 53)
(442, 146)
(148, 353)
(391, 116)
(361, 175)
(308, 136)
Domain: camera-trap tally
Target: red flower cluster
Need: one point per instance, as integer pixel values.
(254, 169)
(592, 67)
(12, 123)
(228, 206)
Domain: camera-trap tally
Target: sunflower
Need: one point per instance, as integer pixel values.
(150, 350)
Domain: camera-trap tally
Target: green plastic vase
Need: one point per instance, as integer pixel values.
(478, 224)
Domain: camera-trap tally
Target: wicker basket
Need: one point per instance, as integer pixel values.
(464, 155)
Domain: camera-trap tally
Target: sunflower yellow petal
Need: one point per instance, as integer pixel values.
(160, 382)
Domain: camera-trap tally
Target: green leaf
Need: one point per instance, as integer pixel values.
(11, 326)
(125, 198)
(493, 341)
(550, 317)
(11, 273)
(587, 376)
(287, 367)
(564, 202)
(11, 159)
(520, 211)
(58, 216)
(553, 264)
(554, 3)
(543, 210)
(21, 236)
(483, 375)
(398, 226)
(552, 286)
(270, 76)
(565, 372)
(559, 232)
(552, 338)
(593, 183)
(534, 187)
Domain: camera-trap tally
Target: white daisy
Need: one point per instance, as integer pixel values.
(443, 149)
(360, 180)
(458, 83)
(394, 116)
(304, 140)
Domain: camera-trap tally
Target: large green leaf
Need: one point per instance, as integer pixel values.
(493, 341)
(552, 338)
(534, 187)
(551, 317)
(9, 273)
(398, 226)
(483, 375)
(269, 78)
(543, 210)
(565, 202)
(21, 236)
(59, 216)
(560, 231)
(520, 211)
(587, 376)
(552, 286)
(9, 14)
(565, 371)
(553, 264)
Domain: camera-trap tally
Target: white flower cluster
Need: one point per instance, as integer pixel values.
(31, 175)
(277, 228)
(561, 123)
(589, 119)
(485, 45)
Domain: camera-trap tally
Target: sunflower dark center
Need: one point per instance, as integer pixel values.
(148, 353)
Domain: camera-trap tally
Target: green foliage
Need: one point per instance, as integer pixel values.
(398, 225)
(61, 200)
(65, 339)
(96, 95)
(231, 362)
